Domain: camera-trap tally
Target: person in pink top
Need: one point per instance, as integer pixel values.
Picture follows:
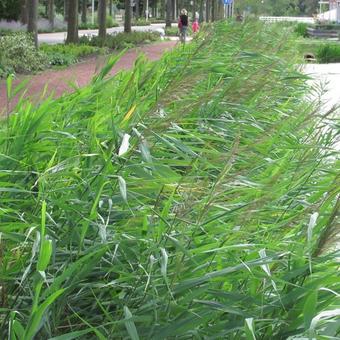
(195, 26)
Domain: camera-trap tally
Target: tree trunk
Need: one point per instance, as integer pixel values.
(143, 8)
(72, 24)
(102, 19)
(128, 15)
(213, 10)
(168, 13)
(207, 10)
(220, 9)
(23, 12)
(50, 13)
(32, 7)
(194, 10)
(162, 9)
(201, 19)
(137, 9)
(110, 8)
(84, 11)
(66, 9)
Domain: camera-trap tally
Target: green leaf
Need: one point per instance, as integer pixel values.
(44, 255)
(35, 320)
(309, 308)
(72, 335)
(249, 329)
(122, 188)
(18, 329)
(9, 82)
(130, 325)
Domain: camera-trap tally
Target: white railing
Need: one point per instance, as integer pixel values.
(308, 20)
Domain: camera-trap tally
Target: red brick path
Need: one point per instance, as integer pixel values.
(58, 81)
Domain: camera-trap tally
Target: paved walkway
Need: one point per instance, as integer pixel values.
(58, 81)
(326, 76)
(60, 37)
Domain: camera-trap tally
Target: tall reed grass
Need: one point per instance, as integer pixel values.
(192, 198)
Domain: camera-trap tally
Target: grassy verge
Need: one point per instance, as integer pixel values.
(189, 198)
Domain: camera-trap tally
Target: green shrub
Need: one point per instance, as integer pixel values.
(9, 9)
(5, 68)
(76, 51)
(333, 27)
(110, 22)
(61, 59)
(61, 54)
(20, 54)
(141, 22)
(172, 32)
(328, 53)
(121, 40)
(89, 26)
(301, 29)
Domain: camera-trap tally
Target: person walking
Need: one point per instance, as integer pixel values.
(183, 23)
(195, 26)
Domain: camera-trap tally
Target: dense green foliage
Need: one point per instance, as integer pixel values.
(10, 9)
(172, 32)
(141, 22)
(278, 7)
(192, 198)
(18, 54)
(328, 53)
(61, 54)
(121, 40)
(109, 23)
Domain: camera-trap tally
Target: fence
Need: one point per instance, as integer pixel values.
(308, 20)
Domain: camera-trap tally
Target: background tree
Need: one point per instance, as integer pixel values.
(23, 12)
(50, 12)
(201, 11)
(207, 10)
(84, 11)
(110, 7)
(66, 9)
(72, 24)
(168, 13)
(102, 19)
(32, 8)
(128, 16)
(213, 10)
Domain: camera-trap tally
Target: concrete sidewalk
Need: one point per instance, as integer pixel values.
(327, 78)
(60, 37)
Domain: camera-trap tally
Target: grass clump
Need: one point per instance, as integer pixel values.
(301, 29)
(328, 53)
(149, 206)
